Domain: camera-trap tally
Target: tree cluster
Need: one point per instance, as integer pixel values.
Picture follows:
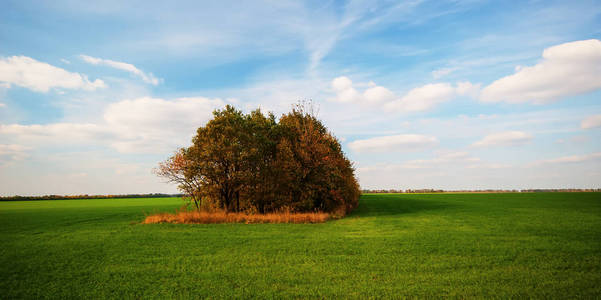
(255, 163)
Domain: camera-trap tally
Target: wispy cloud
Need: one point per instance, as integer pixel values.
(146, 77)
(457, 157)
(507, 138)
(394, 143)
(572, 159)
(439, 73)
(591, 122)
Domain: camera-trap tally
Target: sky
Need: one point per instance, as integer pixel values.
(422, 94)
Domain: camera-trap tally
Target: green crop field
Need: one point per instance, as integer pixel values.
(426, 245)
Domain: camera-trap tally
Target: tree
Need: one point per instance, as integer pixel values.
(178, 169)
(319, 176)
(251, 162)
(220, 152)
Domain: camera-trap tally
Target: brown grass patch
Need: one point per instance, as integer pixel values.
(201, 217)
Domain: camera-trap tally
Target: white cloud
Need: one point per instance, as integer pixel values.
(591, 122)
(466, 88)
(483, 175)
(142, 125)
(12, 152)
(507, 138)
(65, 61)
(145, 123)
(80, 172)
(345, 92)
(59, 133)
(40, 77)
(418, 99)
(146, 77)
(423, 98)
(436, 74)
(2, 104)
(456, 159)
(572, 159)
(565, 70)
(459, 157)
(401, 142)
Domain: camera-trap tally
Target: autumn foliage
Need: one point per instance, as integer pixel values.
(254, 164)
(207, 217)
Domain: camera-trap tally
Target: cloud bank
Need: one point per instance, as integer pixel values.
(142, 125)
(421, 98)
(572, 159)
(12, 152)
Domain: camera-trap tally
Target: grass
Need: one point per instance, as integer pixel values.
(216, 217)
(545, 245)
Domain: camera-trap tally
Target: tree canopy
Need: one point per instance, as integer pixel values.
(255, 163)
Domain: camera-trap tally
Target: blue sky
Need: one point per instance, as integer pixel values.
(422, 94)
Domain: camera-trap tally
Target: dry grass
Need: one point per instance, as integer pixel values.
(201, 217)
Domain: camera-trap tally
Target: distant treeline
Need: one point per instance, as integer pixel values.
(71, 197)
(408, 191)
(365, 191)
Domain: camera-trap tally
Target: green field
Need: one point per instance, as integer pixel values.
(460, 245)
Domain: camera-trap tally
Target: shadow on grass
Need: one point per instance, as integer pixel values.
(390, 205)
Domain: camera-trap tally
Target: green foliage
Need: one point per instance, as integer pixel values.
(523, 245)
(251, 162)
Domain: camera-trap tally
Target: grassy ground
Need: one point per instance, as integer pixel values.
(458, 245)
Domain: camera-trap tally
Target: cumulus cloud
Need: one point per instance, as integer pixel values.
(466, 88)
(11, 152)
(130, 126)
(565, 70)
(422, 98)
(418, 99)
(507, 138)
(345, 92)
(401, 142)
(591, 122)
(41, 77)
(146, 77)
(147, 122)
